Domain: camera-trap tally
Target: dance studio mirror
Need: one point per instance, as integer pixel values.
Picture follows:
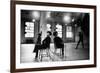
(51, 36)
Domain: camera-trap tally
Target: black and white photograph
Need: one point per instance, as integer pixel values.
(48, 36)
(53, 36)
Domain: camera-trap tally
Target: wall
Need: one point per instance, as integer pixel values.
(5, 36)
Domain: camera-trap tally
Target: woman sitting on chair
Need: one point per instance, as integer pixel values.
(46, 42)
(58, 42)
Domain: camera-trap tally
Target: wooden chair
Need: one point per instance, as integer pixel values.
(56, 48)
(43, 53)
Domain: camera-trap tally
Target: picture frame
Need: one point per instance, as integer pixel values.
(17, 12)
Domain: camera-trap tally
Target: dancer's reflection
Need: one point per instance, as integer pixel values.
(80, 40)
(37, 45)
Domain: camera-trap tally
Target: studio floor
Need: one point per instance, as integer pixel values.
(70, 53)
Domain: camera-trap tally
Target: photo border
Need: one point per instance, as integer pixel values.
(13, 35)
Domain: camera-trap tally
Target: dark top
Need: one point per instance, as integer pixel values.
(58, 42)
(46, 42)
(38, 40)
(38, 44)
(80, 35)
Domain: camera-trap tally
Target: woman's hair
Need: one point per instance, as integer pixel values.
(39, 34)
(55, 33)
(49, 32)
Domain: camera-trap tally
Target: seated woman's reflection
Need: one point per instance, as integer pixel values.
(37, 45)
(58, 42)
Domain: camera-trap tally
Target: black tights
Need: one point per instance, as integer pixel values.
(36, 56)
(80, 41)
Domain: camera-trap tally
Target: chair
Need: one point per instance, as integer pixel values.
(56, 48)
(43, 53)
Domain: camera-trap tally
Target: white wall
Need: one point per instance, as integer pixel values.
(5, 36)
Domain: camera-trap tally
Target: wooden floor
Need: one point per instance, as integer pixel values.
(70, 53)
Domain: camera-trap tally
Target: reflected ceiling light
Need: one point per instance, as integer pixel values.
(36, 14)
(67, 19)
(33, 20)
(66, 24)
(73, 20)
